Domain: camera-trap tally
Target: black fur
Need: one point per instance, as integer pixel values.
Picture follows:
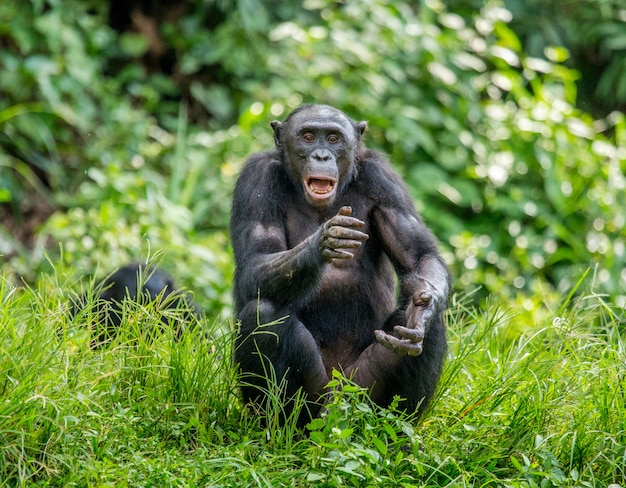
(329, 308)
(140, 283)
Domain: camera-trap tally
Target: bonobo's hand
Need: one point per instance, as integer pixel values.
(339, 234)
(408, 340)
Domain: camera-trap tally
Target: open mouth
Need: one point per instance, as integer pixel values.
(320, 188)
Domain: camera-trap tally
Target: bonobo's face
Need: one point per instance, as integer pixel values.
(319, 144)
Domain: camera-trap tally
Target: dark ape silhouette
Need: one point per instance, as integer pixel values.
(324, 233)
(140, 283)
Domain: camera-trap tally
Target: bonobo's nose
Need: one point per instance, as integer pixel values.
(321, 155)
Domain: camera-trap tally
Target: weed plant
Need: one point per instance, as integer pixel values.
(530, 396)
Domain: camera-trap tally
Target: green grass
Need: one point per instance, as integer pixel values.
(529, 397)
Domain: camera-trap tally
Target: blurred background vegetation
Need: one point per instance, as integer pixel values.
(123, 125)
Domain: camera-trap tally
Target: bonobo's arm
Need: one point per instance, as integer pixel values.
(424, 287)
(424, 278)
(286, 276)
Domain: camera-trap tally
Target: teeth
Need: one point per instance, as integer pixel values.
(319, 191)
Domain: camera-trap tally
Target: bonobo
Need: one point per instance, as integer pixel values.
(324, 232)
(140, 283)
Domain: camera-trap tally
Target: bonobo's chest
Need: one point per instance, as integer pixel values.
(299, 225)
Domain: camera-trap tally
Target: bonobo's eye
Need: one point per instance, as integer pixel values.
(308, 137)
(333, 138)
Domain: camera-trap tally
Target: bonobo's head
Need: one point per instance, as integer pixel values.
(319, 143)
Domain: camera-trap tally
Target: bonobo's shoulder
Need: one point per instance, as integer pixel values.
(261, 163)
(255, 194)
(375, 163)
(379, 179)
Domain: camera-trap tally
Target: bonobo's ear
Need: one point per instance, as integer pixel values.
(360, 128)
(278, 134)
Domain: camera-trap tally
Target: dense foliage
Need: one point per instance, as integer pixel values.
(121, 134)
(593, 33)
(523, 189)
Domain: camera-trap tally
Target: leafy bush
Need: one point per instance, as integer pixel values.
(523, 189)
(593, 32)
(124, 186)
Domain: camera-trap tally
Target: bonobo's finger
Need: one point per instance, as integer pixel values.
(332, 243)
(336, 254)
(418, 318)
(399, 346)
(344, 221)
(346, 233)
(420, 311)
(414, 335)
(345, 210)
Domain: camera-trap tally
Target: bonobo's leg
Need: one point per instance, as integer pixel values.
(414, 378)
(285, 350)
